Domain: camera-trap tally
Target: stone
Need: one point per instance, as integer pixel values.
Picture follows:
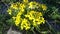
(10, 31)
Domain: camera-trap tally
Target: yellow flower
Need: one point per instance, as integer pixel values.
(36, 22)
(19, 13)
(25, 24)
(25, 12)
(27, 27)
(9, 11)
(22, 6)
(13, 17)
(33, 5)
(36, 17)
(29, 16)
(33, 15)
(22, 9)
(43, 20)
(44, 7)
(26, 1)
(18, 3)
(14, 6)
(21, 27)
(17, 20)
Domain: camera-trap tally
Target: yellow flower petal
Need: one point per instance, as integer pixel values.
(44, 7)
(26, 1)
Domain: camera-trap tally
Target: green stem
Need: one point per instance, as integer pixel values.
(33, 31)
(38, 29)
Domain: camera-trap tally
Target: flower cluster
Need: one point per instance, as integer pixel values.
(25, 14)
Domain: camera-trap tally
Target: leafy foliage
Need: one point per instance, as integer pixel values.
(51, 14)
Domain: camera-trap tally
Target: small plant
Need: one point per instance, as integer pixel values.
(27, 15)
(30, 16)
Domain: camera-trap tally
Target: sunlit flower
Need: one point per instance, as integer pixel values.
(44, 7)
(26, 1)
(42, 20)
(9, 11)
(22, 5)
(27, 14)
(33, 5)
(14, 6)
(14, 17)
(37, 17)
(17, 21)
(25, 24)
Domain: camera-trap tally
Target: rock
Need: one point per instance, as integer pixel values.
(10, 31)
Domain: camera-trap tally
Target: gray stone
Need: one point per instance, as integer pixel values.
(10, 31)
